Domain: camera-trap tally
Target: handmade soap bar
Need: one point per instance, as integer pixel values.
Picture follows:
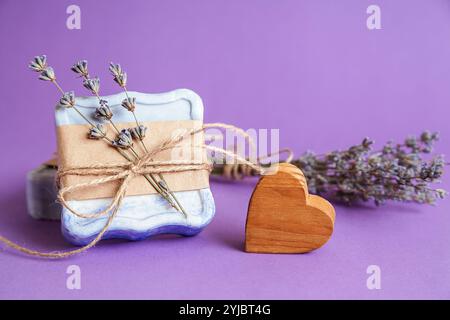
(41, 193)
(143, 213)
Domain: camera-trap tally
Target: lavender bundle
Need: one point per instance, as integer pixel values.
(398, 172)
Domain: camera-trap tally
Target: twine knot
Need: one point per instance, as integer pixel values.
(135, 168)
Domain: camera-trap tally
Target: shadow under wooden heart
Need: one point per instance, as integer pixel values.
(284, 218)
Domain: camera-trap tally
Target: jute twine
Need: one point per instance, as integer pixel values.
(126, 173)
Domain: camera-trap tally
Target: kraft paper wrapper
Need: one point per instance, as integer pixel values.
(76, 150)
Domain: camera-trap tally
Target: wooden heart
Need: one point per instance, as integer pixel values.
(284, 218)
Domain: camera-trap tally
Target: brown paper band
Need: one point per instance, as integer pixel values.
(75, 150)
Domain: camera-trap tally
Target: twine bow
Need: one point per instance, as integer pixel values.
(127, 172)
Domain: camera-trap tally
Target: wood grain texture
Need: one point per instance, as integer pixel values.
(284, 218)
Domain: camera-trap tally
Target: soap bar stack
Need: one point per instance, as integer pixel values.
(143, 212)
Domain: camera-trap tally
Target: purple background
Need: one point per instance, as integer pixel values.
(310, 68)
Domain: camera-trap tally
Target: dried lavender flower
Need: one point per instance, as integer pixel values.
(103, 112)
(121, 79)
(398, 172)
(119, 75)
(97, 132)
(115, 69)
(138, 132)
(92, 85)
(67, 100)
(39, 63)
(81, 68)
(48, 74)
(129, 104)
(124, 140)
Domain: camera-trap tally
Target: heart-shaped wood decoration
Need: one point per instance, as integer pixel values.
(284, 218)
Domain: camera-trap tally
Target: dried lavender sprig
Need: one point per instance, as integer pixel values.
(81, 67)
(129, 103)
(120, 77)
(397, 172)
(96, 131)
(138, 132)
(68, 100)
(93, 85)
(39, 63)
(105, 112)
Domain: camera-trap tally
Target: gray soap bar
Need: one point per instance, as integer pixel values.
(41, 192)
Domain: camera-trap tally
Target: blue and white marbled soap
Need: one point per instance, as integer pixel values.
(140, 216)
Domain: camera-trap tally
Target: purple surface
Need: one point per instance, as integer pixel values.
(310, 68)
